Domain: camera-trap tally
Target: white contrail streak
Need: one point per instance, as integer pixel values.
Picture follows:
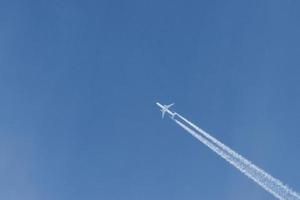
(262, 178)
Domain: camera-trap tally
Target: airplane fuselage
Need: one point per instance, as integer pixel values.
(165, 109)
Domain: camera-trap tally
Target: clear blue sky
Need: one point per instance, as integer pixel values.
(79, 81)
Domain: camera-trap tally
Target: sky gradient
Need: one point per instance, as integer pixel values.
(79, 81)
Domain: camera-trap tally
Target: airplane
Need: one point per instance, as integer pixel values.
(165, 108)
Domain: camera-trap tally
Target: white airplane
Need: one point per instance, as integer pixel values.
(165, 109)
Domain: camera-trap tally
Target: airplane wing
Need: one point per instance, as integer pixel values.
(168, 106)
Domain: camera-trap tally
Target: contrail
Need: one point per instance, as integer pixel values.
(262, 178)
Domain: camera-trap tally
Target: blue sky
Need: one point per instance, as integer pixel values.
(79, 81)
